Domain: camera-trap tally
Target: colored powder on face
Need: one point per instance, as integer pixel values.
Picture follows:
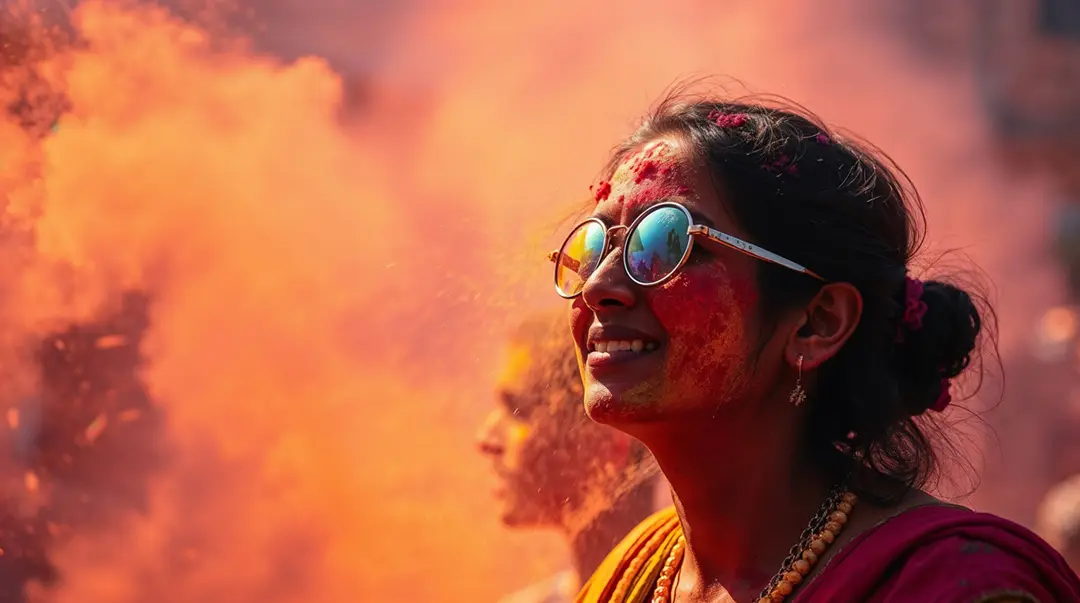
(703, 310)
(603, 190)
(639, 196)
(516, 366)
(651, 170)
(517, 436)
(649, 176)
(630, 169)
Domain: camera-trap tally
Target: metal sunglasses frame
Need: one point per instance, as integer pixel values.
(694, 230)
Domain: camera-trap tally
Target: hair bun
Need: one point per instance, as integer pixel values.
(941, 348)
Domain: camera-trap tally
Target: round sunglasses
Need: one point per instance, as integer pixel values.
(656, 245)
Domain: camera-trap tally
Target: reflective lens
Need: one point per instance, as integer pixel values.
(658, 244)
(579, 257)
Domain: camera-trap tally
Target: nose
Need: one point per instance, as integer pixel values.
(489, 439)
(609, 286)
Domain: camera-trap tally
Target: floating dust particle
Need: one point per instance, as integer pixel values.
(94, 429)
(59, 344)
(13, 418)
(129, 415)
(31, 481)
(108, 342)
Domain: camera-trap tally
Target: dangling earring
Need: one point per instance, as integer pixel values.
(798, 395)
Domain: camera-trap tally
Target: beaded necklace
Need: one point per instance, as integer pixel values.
(821, 532)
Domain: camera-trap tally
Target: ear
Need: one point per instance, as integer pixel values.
(825, 325)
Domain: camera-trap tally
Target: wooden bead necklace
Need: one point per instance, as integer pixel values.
(814, 541)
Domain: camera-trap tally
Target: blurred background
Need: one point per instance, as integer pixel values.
(258, 258)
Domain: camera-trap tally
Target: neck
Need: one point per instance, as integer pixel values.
(743, 501)
(591, 544)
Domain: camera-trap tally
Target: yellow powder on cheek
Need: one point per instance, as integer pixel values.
(517, 437)
(645, 392)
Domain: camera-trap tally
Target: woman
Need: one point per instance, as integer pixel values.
(557, 470)
(785, 387)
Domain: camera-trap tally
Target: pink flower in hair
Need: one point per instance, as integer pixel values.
(822, 138)
(914, 307)
(783, 165)
(944, 398)
(727, 120)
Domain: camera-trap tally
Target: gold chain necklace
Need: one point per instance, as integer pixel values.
(814, 541)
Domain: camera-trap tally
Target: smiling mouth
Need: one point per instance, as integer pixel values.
(636, 346)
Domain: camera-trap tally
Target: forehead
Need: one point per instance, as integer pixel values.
(657, 171)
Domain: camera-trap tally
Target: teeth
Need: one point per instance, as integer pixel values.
(636, 345)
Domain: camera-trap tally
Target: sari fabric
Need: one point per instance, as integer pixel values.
(634, 565)
(929, 554)
(944, 554)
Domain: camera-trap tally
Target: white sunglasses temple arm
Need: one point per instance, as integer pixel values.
(750, 249)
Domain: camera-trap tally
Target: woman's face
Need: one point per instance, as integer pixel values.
(697, 330)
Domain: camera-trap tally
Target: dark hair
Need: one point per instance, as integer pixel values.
(847, 212)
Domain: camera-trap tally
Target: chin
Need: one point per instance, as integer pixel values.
(511, 520)
(622, 407)
(520, 517)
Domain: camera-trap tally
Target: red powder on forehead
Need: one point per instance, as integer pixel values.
(651, 191)
(655, 151)
(650, 170)
(648, 176)
(603, 190)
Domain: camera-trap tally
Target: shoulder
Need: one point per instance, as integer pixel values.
(972, 570)
(632, 559)
(974, 557)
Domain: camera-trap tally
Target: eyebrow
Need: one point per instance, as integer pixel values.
(699, 218)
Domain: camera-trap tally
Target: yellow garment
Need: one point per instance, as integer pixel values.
(630, 571)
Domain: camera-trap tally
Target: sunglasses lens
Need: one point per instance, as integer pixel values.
(579, 257)
(657, 244)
